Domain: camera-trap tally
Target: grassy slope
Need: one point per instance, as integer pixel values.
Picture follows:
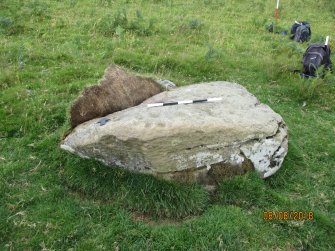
(49, 50)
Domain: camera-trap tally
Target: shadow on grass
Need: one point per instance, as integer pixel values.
(150, 198)
(139, 193)
(5, 227)
(249, 191)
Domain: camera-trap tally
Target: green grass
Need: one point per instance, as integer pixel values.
(51, 200)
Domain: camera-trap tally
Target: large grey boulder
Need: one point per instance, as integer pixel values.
(200, 142)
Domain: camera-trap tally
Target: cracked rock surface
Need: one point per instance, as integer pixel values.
(201, 142)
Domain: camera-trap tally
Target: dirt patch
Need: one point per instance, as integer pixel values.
(147, 219)
(223, 170)
(209, 178)
(117, 90)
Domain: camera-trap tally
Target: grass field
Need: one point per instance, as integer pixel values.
(51, 200)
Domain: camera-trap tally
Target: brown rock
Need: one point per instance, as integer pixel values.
(117, 90)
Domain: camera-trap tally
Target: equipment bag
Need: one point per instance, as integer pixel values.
(301, 32)
(315, 56)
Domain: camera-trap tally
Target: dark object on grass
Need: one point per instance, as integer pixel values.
(316, 55)
(301, 31)
(117, 90)
(271, 28)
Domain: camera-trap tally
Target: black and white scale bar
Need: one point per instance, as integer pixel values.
(185, 102)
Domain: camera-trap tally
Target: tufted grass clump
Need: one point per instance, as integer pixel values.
(141, 26)
(5, 23)
(9, 27)
(195, 24)
(212, 53)
(36, 9)
(146, 195)
(109, 24)
(314, 88)
(118, 23)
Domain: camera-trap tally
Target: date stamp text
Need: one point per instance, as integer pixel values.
(288, 215)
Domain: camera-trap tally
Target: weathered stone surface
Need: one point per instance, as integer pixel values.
(196, 142)
(167, 85)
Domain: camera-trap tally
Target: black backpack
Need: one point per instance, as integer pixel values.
(301, 32)
(315, 56)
